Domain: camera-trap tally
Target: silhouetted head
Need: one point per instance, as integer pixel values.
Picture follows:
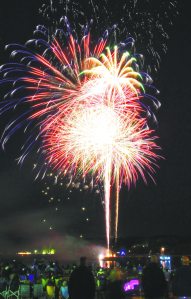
(185, 260)
(83, 261)
(154, 259)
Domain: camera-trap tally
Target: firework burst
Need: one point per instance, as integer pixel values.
(87, 109)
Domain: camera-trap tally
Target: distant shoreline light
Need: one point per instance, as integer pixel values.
(51, 251)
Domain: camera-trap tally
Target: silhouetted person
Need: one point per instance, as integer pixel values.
(153, 280)
(115, 284)
(181, 283)
(81, 282)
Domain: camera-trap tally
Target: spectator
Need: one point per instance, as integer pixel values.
(64, 290)
(181, 283)
(115, 284)
(153, 280)
(101, 283)
(101, 280)
(81, 282)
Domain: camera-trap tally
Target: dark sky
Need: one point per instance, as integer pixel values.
(161, 209)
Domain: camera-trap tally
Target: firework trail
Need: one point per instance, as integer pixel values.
(84, 109)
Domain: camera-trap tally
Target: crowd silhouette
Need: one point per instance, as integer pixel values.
(47, 279)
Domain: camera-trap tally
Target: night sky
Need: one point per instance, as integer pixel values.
(161, 209)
